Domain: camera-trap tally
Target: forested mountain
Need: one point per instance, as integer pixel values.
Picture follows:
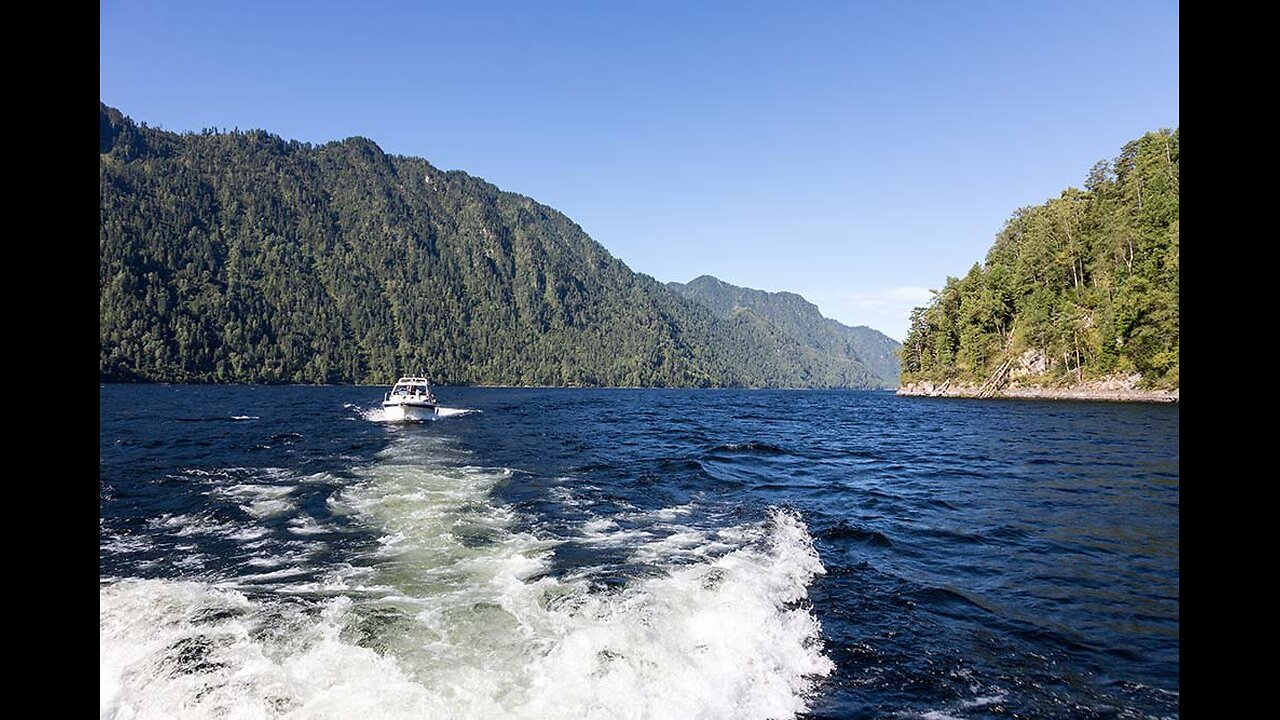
(1081, 287)
(243, 257)
(800, 319)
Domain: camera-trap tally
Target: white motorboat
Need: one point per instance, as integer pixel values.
(410, 399)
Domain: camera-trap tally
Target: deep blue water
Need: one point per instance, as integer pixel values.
(274, 551)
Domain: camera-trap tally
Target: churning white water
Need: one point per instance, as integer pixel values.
(378, 414)
(458, 612)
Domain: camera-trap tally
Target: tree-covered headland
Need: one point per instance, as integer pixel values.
(1082, 287)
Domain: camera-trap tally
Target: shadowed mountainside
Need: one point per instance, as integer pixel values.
(800, 319)
(242, 257)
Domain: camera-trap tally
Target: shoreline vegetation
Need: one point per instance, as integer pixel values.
(1077, 298)
(1109, 390)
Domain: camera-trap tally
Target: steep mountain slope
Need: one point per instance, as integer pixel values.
(800, 319)
(242, 257)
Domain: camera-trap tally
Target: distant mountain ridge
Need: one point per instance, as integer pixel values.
(243, 257)
(800, 319)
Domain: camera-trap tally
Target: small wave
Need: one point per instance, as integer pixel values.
(606, 533)
(846, 531)
(963, 708)
(677, 465)
(249, 534)
(950, 602)
(752, 447)
(1010, 532)
(259, 500)
(194, 525)
(259, 578)
(307, 525)
(658, 514)
(957, 535)
(999, 696)
(124, 544)
(245, 417)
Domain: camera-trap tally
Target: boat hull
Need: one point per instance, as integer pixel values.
(404, 412)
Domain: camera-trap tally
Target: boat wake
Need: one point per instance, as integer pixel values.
(379, 414)
(460, 610)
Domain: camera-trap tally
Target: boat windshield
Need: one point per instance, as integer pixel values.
(405, 389)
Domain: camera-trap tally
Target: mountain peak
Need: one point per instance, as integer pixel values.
(796, 317)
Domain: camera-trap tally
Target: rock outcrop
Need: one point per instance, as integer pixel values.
(1117, 388)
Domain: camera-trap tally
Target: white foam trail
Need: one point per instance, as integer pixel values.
(375, 414)
(186, 650)
(190, 562)
(306, 525)
(249, 534)
(670, 513)
(268, 576)
(964, 706)
(126, 544)
(323, 478)
(605, 532)
(260, 501)
(999, 696)
(456, 614)
(716, 639)
(194, 525)
(378, 414)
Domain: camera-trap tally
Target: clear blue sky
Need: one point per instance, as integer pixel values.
(857, 153)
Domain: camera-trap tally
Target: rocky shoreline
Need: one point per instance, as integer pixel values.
(1113, 389)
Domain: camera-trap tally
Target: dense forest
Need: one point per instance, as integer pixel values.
(1081, 287)
(242, 257)
(800, 319)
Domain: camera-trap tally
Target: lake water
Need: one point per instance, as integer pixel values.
(567, 553)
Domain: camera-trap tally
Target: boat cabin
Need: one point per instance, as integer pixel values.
(411, 388)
